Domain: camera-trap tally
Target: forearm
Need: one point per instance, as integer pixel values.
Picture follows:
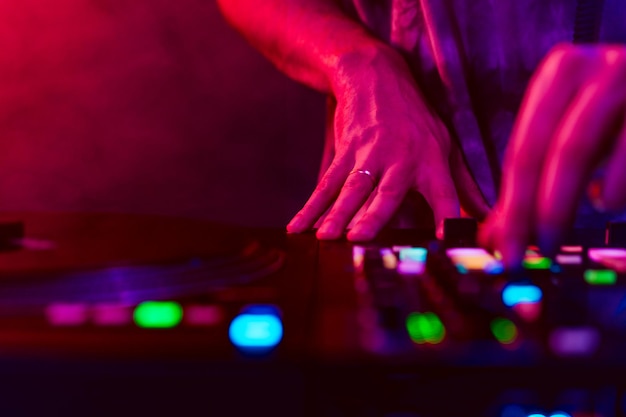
(312, 41)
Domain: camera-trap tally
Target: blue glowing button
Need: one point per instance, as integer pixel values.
(521, 293)
(560, 414)
(256, 329)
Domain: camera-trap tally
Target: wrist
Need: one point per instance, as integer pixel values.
(370, 61)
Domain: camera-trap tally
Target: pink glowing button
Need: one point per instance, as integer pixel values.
(67, 314)
(203, 315)
(614, 258)
(112, 315)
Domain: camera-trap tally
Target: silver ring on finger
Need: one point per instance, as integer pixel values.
(365, 172)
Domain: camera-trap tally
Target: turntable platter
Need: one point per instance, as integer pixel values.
(126, 258)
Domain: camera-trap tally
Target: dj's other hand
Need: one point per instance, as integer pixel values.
(387, 142)
(571, 120)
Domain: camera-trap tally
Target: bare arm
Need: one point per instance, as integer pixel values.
(382, 124)
(312, 41)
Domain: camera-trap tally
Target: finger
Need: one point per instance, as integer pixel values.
(325, 192)
(547, 99)
(470, 196)
(579, 144)
(357, 188)
(613, 193)
(393, 186)
(436, 185)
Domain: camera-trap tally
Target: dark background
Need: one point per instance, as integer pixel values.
(149, 106)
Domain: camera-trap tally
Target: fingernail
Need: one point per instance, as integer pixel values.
(295, 225)
(329, 230)
(359, 234)
(595, 191)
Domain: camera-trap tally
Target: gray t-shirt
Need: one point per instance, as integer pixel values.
(473, 59)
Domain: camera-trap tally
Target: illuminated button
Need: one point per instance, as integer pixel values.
(158, 314)
(389, 259)
(600, 277)
(521, 293)
(560, 414)
(66, 314)
(358, 256)
(574, 341)
(475, 259)
(112, 315)
(425, 328)
(409, 267)
(504, 330)
(536, 415)
(203, 315)
(413, 254)
(572, 249)
(614, 258)
(569, 259)
(256, 329)
(536, 262)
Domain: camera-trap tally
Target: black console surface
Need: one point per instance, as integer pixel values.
(176, 315)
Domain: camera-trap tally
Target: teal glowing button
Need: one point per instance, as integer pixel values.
(256, 330)
(600, 277)
(560, 414)
(413, 254)
(521, 293)
(158, 314)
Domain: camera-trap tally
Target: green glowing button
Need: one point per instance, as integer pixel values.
(425, 328)
(504, 330)
(537, 262)
(600, 276)
(158, 314)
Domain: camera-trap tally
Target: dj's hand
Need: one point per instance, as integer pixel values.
(571, 120)
(387, 142)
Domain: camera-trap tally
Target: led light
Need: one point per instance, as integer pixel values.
(389, 259)
(112, 315)
(409, 267)
(504, 330)
(203, 315)
(425, 328)
(358, 256)
(560, 414)
(536, 262)
(66, 314)
(614, 258)
(600, 277)
(475, 259)
(521, 293)
(158, 314)
(569, 259)
(413, 254)
(256, 330)
(574, 341)
(536, 415)
(572, 249)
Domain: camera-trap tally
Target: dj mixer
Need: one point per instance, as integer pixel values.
(118, 314)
